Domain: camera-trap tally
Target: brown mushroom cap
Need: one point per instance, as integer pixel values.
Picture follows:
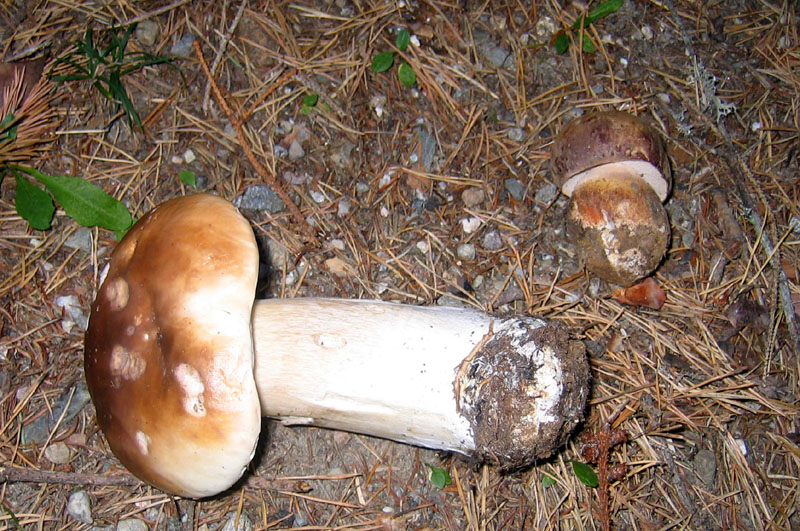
(619, 226)
(609, 137)
(168, 350)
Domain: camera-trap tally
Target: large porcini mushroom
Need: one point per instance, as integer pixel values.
(180, 382)
(615, 169)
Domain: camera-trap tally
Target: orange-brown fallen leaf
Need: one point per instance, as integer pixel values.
(646, 293)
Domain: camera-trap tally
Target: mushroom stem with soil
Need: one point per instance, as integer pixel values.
(181, 363)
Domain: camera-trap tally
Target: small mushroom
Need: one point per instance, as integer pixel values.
(615, 169)
(182, 363)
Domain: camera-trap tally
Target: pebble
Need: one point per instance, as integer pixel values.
(189, 156)
(79, 507)
(466, 251)
(515, 188)
(705, 466)
(74, 314)
(147, 32)
(423, 247)
(259, 198)
(497, 56)
(317, 196)
(341, 155)
(470, 225)
(362, 188)
(516, 134)
(343, 208)
(472, 197)
(58, 453)
(132, 524)
(427, 149)
(39, 430)
(280, 151)
(81, 239)
(244, 523)
(184, 47)
(300, 520)
(546, 194)
(296, 151)
(492, 241)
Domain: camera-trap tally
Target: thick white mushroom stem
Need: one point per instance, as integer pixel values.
(505, 390)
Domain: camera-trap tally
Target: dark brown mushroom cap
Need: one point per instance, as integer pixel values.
(607, 137)
(168, 350)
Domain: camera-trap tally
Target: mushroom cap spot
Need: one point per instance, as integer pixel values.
(602, 138)
(190, 267)
(117, 293)
(143, 442)
(193, 389)
(124, 364)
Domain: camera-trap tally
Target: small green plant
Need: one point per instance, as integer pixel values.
(81, 200)
(577, 32)
(584, 473)
(309, 102)
(383, 61)
(439, 477)
(106, 65)
(188, 177)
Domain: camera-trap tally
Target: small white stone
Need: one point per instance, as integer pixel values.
(466, 251)
(296, 151)
(386, 179)
(58, 453)
(189, 156)
(384, 212)
(79, 507)
(415, 41)
(318, 197)
(343, 208)
(337, 243)
(623, 61)
(470, 225)
(742, 445)
(756, 126)
(132, 524)
(647, 32)
(176, 159)
(423, 247)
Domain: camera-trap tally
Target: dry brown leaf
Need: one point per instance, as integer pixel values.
(646, 293)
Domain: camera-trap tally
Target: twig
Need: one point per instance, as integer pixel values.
(29, 475)
(238, 126)
(154, 13)
(223, 45)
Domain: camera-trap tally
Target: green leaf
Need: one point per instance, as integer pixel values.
(587, 45)
(406, 74)
(34, 205)
(9, 131)
(83, 201)
(547, 481)
(403, 40)
(188, 178)
(311, 100)
(439, 477)
(382, 62)
(604, 9)
(561, 42)
(584, 473)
